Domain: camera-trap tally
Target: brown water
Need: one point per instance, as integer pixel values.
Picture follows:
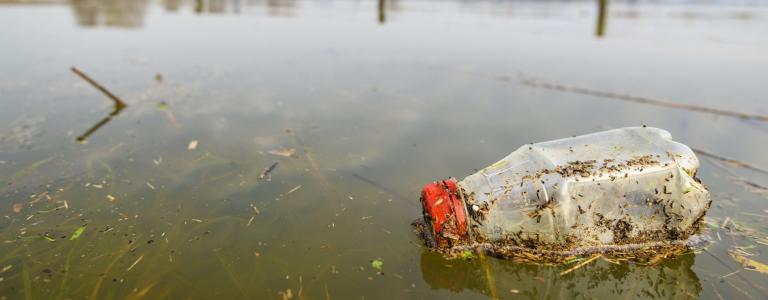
(376, 101)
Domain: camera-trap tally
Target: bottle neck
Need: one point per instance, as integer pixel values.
(445, 213)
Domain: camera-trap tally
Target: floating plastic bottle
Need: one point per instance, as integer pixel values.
(614, 191)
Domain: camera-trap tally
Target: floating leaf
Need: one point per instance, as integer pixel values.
(466, 255)
(377, 264)
(77, 233)
(749, 264)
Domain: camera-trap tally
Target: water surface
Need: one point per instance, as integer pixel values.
(376, 99)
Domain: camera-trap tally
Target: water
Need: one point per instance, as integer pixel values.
(376, 102)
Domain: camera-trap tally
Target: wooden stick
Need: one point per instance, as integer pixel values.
(731, 161)
(637, 99)
(581, 264)
(532, 82)
(118, 102)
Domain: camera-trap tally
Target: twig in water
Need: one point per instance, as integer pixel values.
(383, 188)
(118, 107)
(738, 274)
(751, 186)
(637, 99)
(134, 263)
(294, 189)
(731, 161)
(581, 264)
(118, 102)
(119, 254)
(729, 274)
(267, 173)
(310, 158)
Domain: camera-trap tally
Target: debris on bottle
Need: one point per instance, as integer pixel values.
(629, 192)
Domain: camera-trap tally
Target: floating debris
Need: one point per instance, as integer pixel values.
(377, 264)
(78, 232)
(581, 264)
(110, 198)
(725, 222)
(287, 295)
(749, 264)
(267, 173)
(466, 255)
(17, 207)
(192, 145)
(284, 152)
(296, 188)
(165, 108)
(135, 263)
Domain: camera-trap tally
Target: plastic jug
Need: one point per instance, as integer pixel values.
(605, 190)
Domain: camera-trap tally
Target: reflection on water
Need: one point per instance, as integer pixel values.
(382, 11)
(600, 279)
(272, 7)
(131, 13)
(601, 14)
(115, 111)
(111, 13)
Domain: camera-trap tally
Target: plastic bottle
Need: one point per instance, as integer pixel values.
(628, 186)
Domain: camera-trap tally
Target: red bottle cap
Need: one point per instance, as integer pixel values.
(444, 212)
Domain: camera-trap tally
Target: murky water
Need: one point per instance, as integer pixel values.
(376, 99)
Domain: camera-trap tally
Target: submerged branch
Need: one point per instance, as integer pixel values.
(731, 161)
(637, 99)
